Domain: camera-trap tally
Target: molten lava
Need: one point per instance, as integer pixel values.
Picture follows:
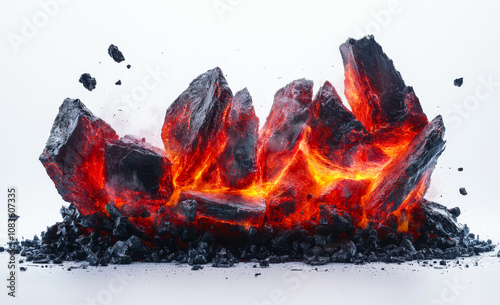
(313, 163)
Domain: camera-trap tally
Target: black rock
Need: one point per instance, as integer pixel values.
(2, 249)
(88, 81)
(128, 66)
(23, 269)
(442, 263)
(194, 124)
(116, 54)
(460, 169)
(335, 133)
(463, 191)
(346, 252)
(406, 171)
(455, 211)
(120, 229)
(285, 127)
(57, 261)
(136, 247)
(375, 89)
(113, 210)
(196, 267)
(458, 82)
(189, 208)
(132, 164)
(264, 263)
(237, 164)
(223, 207)
(65, 156)
(118, 83)
(200, 259)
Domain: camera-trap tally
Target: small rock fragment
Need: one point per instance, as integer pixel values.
(463, 191)
(23, 269)
(116, 54)
(460, 169)
(458, 82)
(118, 83)
(455, 211)
(196, 267)
(128, 66)
(88, 81)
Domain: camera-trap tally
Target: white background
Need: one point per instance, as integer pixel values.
(261, 45)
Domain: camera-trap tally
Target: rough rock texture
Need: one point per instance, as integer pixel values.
(235, 209)
(74, 155)
(285, 127)
(374, 88)
(88, 81)
(404, 173)
(116, 54)
(289, 199)
(194, 128)
(458, 82)
(442, 239)
(134, 165)
(336, 135)
(237, 164)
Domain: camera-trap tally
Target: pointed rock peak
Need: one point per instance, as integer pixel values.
(70, 113)
(242, 100)
(374, 88)
(299, 90)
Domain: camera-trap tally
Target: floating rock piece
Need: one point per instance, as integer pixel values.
(88, 81)
(116, 54)
(463, 191)
(458, 82)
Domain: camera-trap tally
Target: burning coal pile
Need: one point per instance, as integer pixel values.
(317, 183)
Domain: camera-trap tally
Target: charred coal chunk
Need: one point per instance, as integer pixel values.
(334, 221)
(113, 211)
(132, 164)
(88, 81)
(237, 163)
(336, 134)
(292, 192)
(438, 220)
(346, 253)
(74, 155)
(458, 82)
(404, 173)
(375, 89)
(285, 127)
(193, 131)
(345, 195)
(463, 191)
(189, 208)
(224, 207)
(115, 53)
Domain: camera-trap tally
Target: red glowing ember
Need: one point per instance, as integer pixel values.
(314, 162)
